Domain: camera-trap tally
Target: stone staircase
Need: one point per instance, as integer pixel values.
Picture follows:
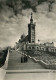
(14, 59)
(23, 71)
(14, 62)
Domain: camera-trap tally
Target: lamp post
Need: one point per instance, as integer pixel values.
(38, 41)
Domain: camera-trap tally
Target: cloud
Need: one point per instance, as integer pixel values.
(12, 26)
(45, 22)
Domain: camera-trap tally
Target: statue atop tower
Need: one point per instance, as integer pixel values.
(31, 20)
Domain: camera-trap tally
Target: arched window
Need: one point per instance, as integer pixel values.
(29, 47)
(33, 47)
(43, 49)
(37, 48)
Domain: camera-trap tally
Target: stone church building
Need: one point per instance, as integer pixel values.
(28, 42)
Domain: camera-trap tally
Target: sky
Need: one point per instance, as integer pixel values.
(15, 17)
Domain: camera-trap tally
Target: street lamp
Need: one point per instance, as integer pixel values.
(38, 41)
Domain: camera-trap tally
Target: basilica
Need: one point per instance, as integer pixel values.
(28, 42)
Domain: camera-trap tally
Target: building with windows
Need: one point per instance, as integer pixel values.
(28, 42)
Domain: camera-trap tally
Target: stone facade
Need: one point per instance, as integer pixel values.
(31, 31)
(28, 42)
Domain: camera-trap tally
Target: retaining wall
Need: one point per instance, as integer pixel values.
(47, 66)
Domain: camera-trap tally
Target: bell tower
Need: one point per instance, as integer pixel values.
(31, 30)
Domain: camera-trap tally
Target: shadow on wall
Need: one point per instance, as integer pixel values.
(3, 56)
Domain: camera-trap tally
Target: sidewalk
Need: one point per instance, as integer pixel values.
(31, 76)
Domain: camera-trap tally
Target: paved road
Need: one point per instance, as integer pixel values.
(15, 62)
